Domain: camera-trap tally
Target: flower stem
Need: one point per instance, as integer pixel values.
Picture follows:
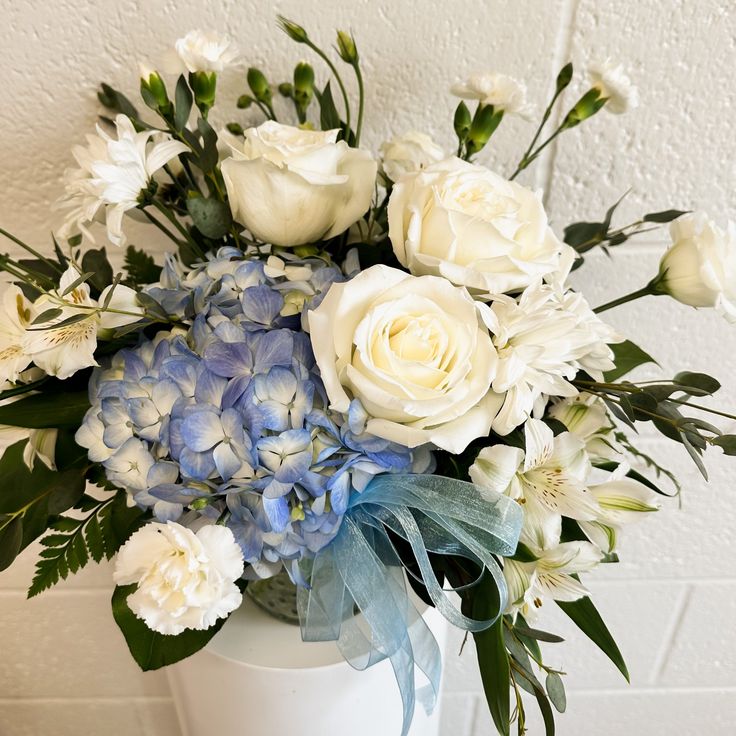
(32, 251)
(644, 291)
(317, 50)
(361, 103)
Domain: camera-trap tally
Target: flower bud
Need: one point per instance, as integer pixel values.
(294, 31)
(346, 48)
(462, 121)
(244, 102)
(204, 85)
(153, 90)
(235, 128)
(303, 84)
(485, 122)
(286, 89)
(587, 106)
(259, 85)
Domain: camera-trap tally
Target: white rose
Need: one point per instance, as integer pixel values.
(290, 186)
(408, 153)
(463, 222)
(205, 51)
(615, 85)
(490, 88)
(699, 269)
(185, 580)
(414, 351)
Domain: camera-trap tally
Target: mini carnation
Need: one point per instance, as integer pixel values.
(184, 580)
(615, 85)
(206, 51)
(491, 88)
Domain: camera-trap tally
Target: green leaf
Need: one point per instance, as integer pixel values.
(210, 216)
(586, 617)
(47, 315)
(584, 235)
(183, 103)
(95, 261)
(547, 715)
(116, 101)
(11, 539)
(627, 356)
(537, 634)
(141, 267)
(47, 410)
(556, 691)
(150, 649)
(727, 442)
(328, 116)
(664, 216)
(209, 156)
(493, 659)
(703, 384)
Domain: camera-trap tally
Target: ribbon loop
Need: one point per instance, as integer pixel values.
(360, 571)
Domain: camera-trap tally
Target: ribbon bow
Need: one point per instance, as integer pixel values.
(360, 570)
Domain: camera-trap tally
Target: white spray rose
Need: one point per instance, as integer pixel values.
(206, 51)
(463, 222)
(185, 580)
(413, 351)
(408, 153)
(699, 269)
(491, 88)
(615, 85)
(290, 186)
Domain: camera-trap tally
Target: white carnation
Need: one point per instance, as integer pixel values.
(615, 85)
(185, 580)
(206, 51)
(408, 153)
(491, 88)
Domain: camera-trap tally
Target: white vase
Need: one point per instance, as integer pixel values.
(258, 678)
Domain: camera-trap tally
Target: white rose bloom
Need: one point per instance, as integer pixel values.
(413, 351)
(615, 85)
(206, 51)
(185, 580)
(699, 269)
(408, 153)
(475, 228)
(112, 174)
(490, 88)
(290, 186)
(543, 339)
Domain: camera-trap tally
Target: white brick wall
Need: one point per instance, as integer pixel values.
(672, 600)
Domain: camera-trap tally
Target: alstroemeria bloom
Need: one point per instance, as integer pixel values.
(112, 175)
(185, 580)
(548, 477)
(66, 343)
(586, 417)
(15, 317)
(550, 576)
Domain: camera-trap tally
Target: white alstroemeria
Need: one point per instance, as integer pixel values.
(112, 175)
(615, 86)
(491, 88)
(42, 446)
(543, 339)
(185, 580)
(206, 51)
(548, 478)
(586, 417)
(15, 316)
(622, 501)
(699, 269)
(407, 153)
(66, 343)
(550, 576)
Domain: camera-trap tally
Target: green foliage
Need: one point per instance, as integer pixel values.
(664, 216)
(210, 216)
(47, 410)
(626, 356)
(73, 542)
(30, 497)
(150, 649)
(586, 617)
(182, 103)
(329, 119)
(140, 267)
(116, 101)
(100, 272)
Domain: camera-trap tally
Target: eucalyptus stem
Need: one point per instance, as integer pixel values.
(644, 291)
(32, 251)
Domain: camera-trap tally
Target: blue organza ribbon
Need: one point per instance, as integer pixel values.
(360, 570)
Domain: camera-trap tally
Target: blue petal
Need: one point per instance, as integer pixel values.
(196, 465)
(210, 388)
(273, 348)
(261, 304)
(226, 461)
(277, 510)
(202, 430)
(229, 359)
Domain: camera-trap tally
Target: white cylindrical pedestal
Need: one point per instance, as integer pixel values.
(258, 678)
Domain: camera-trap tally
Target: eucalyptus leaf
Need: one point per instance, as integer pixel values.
(182, 103)
(210, 216)
(702, 382)
(727, 443)
(556, 691)
(664, 216)
(537, 634)
(47, 315)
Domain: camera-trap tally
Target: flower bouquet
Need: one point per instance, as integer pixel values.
(368, 375)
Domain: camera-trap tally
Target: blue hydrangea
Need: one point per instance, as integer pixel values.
(232, 422)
